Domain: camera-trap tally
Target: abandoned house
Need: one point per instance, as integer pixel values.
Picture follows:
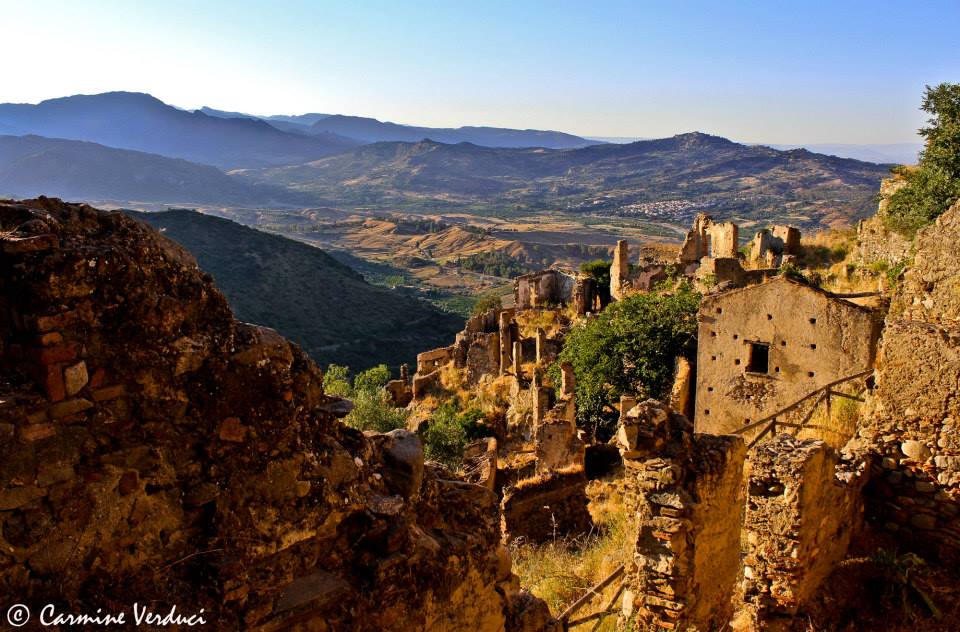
(764, 347)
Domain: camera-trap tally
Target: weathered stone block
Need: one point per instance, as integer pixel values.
(75, 378)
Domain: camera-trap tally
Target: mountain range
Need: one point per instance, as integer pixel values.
(306, 295)
(79, 170)
(130, 120)
(370, 130)
(706, 171)
(131, 146)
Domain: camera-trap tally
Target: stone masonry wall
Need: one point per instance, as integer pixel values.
(156, 450)
(911, 423)
(800, 519)
(686, 493)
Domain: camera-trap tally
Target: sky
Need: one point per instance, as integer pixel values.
(774, 72)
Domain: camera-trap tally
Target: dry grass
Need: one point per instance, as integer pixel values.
(550, 320)
(559, 572)
(837, 426)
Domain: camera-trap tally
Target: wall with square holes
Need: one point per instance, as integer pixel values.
(764, 347)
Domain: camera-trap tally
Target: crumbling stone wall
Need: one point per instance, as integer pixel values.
(686, 497)
(799, 522)
(156, 450)
(642, 278)
(546, 287)
(911, 422)
(763, 347)
(709, 239)
(545, 507)
(771, 246)
(874, 241)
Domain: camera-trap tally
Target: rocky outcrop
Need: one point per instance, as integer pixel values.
(156, 450)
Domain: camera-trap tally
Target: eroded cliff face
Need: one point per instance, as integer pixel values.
(153, 449)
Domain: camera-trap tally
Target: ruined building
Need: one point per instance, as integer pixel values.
(765, 347)
(709, 239)
(156, 450)
(773, 246)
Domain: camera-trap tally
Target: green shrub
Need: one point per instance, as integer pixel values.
(600, 271)
(934, 185)
(486, 302)
(449, 431)
(336, 381)
(373, 411)
(629, 348)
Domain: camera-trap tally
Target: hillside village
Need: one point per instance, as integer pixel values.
(748, 434)
(131, 377)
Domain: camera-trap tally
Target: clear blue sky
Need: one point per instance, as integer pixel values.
(770, 71)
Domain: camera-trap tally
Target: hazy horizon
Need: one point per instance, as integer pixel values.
(811, 73)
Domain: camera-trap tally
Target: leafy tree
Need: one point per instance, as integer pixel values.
(934, 184)
(629, 348)
(372, 379)
(486, 302)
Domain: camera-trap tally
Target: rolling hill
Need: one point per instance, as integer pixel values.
(703, 172)
(306, 295)
(77, 170)
(369, 130)
(131, 120)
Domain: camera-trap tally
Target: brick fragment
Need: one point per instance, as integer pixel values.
(51, 355)
(35, 432)
(70, 407)
(52, 380)
(110, 392)
(98, 377)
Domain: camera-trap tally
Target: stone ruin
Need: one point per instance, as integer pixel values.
(555, 287)
(719, 531)
(641, 278)
(802, 513)
(803, 503)
(775, 246)
(157, 450)
(709, 239)
(400, 390)
(490, 343)
(682, 492)
(710, 255)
